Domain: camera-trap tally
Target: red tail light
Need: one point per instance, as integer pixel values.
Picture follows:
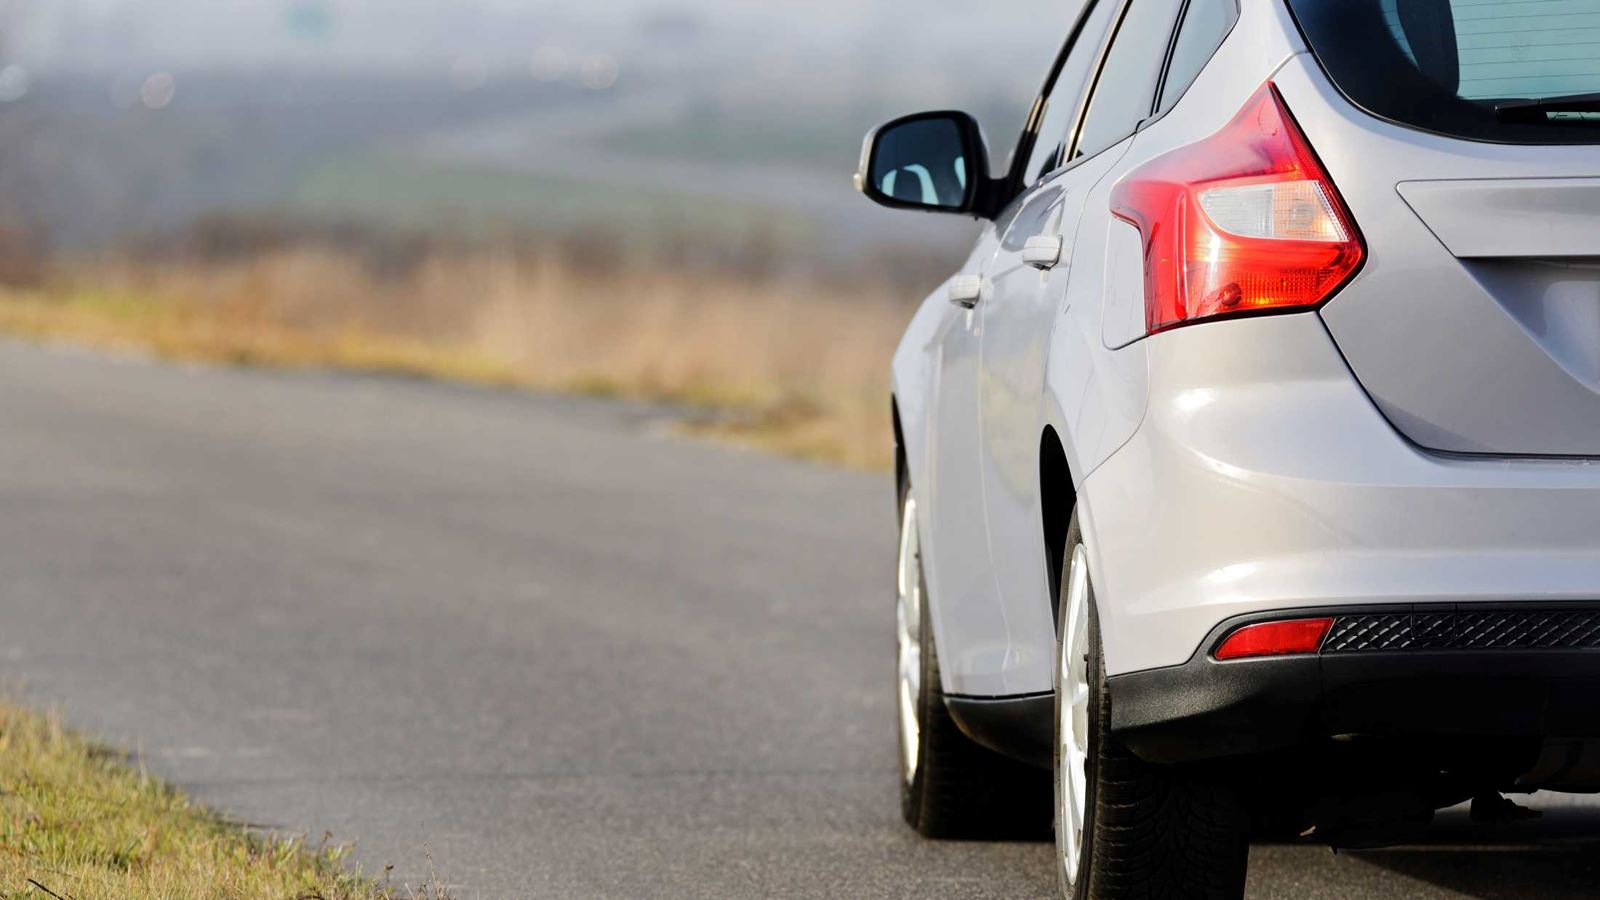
(1275, 639)
(1243, 221)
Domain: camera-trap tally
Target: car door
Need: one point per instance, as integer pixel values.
(1030, 273)
(956, 557)
(1008, 283)
(955, 547)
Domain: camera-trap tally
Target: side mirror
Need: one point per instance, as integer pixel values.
(935, 161)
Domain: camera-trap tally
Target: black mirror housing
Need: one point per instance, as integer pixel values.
(932, 161)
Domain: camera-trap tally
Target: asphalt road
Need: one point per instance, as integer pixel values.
(536, 643)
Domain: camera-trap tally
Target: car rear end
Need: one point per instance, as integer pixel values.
(1364, 501)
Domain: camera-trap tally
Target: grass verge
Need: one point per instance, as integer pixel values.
(78, 822)
(795, 367)
(118, 321)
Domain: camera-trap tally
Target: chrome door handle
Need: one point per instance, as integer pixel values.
(965, 290)
(1043, 251)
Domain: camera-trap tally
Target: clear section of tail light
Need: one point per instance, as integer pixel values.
(1245, 221)
(1286, 211)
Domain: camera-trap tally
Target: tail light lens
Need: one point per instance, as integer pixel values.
(1244, 221)
(1275, 639)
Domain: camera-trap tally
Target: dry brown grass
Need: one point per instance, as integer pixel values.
(794, 365)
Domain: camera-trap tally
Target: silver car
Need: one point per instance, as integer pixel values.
(1250, 466)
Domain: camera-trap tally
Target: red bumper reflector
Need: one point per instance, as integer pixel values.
(1275, 639)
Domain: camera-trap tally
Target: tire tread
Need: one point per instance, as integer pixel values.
(965, 791)
(1155, 832)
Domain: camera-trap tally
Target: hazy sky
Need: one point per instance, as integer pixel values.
(176, 33)
(813, 74)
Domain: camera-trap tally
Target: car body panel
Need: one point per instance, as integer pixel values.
(1019, 322)
(937, 364)
(1496, 218)
(1263, 478)
(1269, 463)
(991, 610)
(1452, 349)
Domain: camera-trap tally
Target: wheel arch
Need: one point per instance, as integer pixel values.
(910, 385)
(900, 473)
(1058, 497)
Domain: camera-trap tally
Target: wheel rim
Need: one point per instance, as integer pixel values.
(1072, 699)
(908, 630)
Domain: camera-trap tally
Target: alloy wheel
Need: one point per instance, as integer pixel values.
(908, 630)
(1072, 698)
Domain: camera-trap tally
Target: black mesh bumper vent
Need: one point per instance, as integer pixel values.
(1466, 630)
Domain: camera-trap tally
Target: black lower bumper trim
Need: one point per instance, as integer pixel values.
(1207, 709)
(1021, 727)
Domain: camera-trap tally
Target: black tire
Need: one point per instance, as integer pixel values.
(1150, 831)
(962, 790)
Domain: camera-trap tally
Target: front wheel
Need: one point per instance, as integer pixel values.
(1126, 828)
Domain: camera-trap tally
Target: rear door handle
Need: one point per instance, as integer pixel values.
(1043, 251)
(965, 290)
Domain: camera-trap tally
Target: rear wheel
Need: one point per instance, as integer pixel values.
(1126, 828)
(950, 786)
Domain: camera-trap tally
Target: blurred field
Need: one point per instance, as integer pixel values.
(676, 236)
(467, 200)
(720, 138)
(792, 362)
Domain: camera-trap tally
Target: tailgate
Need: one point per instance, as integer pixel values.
(1475, 325)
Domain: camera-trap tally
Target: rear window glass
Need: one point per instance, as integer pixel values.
(1515, 71)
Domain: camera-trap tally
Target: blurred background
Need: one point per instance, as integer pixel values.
(640, 197)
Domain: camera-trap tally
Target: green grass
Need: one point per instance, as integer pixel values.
(80, 822)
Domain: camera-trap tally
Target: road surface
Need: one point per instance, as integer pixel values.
(536, 643)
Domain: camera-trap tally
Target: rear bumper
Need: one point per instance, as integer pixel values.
(1536, 674)
(1262, 478)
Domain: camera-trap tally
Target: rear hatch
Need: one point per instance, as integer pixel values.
(1462, 136)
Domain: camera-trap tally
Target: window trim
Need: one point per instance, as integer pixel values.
(1094, 85)
(1166, 60)
(1016, 179)
(1156, 112)
(1076, 133)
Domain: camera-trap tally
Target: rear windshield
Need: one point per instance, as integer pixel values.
(1513, 71)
